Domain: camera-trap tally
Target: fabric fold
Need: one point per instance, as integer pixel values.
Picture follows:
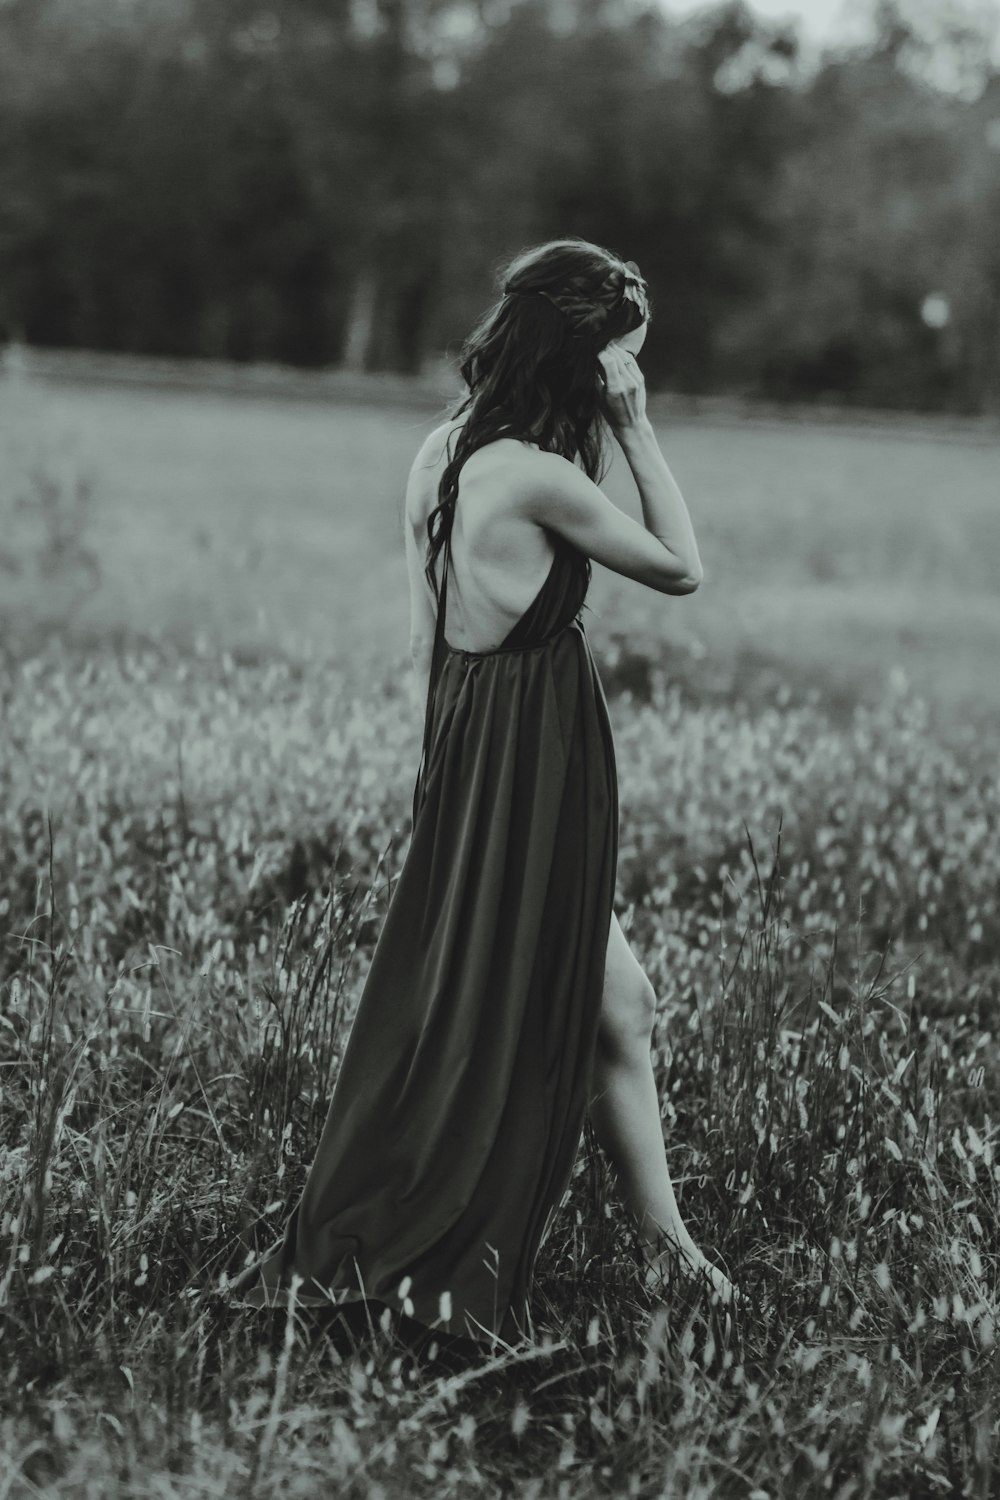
(461, 1097)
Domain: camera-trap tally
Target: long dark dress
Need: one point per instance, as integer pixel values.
(464, 1086)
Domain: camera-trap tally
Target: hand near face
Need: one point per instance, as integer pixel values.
(624, 387)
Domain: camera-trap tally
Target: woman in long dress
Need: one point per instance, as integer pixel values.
(503, 1002)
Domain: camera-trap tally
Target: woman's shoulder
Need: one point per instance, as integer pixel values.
(425, 470)
(438, 447)
(500, 472)
(433, 446)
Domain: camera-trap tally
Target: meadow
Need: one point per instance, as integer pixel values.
(210, 733)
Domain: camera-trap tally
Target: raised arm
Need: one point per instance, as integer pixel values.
(663, 553)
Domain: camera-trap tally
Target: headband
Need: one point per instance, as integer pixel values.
(633, 290)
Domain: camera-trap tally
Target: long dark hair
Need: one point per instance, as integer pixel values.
(530, 364)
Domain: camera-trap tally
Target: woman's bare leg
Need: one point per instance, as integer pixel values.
(625, 1114)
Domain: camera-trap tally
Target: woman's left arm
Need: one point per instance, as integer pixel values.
(422, 617)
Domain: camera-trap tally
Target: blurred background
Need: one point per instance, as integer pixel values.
(333, 181)
(240, 246)
(241, 243)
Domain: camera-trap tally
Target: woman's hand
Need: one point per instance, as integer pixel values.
(624, 388)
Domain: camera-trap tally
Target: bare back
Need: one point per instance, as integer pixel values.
(499, 559)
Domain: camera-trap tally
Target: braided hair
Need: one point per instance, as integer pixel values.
(531, 367)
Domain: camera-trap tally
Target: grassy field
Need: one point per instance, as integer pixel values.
(208, 750)
(273, 527)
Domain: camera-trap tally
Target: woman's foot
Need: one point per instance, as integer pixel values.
(693, 1263)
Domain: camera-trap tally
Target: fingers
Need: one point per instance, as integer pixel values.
(614, 372)
(614, 346)
(625, 359)
(614, 352)
(621, 363)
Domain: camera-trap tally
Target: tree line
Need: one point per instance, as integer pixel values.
(336, 181)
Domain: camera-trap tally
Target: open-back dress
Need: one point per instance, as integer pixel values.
(462, 1093)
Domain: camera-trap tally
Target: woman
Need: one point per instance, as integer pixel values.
(503, 1001)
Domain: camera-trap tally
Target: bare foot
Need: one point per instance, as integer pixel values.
(694, 1263)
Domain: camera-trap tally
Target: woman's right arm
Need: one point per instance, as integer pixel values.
(663, 553)
(663, 507)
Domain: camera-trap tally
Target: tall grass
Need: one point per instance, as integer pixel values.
(196, 862)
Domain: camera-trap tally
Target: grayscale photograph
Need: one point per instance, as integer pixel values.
(499, 749)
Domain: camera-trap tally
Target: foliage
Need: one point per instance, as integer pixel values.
(195, 860)
(317, 184)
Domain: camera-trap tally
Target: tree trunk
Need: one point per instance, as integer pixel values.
(361, 320)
